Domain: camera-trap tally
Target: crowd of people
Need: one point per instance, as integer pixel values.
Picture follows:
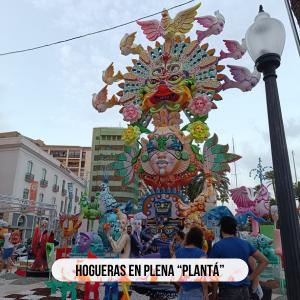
(192, 246)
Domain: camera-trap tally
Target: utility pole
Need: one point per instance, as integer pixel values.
(293, 25)
(295, 167)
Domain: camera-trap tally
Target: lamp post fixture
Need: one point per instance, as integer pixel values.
(265, 42)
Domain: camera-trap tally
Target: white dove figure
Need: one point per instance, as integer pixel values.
(215, 25)
(128, 47)
(169, 28)
(236, 50)
(100, 102)
(245, 80)
(108, 75)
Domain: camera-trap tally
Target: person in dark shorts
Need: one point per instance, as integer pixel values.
(230, 246)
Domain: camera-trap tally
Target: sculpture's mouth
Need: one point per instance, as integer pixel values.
(164, 94)
(172, 97)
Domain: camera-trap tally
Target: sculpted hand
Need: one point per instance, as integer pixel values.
(157, 236)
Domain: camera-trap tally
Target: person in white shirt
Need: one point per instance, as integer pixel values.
(8, 250)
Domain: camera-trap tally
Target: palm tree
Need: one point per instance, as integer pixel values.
(256, 189)
(297, 191)
(222, 189)
(295, 4)
(271, 181)
(195, 187)
(223, 198)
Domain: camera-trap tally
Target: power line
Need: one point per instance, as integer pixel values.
(81, 36)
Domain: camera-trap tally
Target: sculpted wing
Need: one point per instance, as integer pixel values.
(241, 197)
(151, 29)
(240, 74)
(101, 97)
(207, 21)
(232, 46)
(130, 39)
(184, 19)
(113, 101)
(110, 71)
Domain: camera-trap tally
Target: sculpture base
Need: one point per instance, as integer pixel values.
(30, 273)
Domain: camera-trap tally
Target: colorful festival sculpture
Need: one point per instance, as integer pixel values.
(15, 237)
(176, 77)
(88, 241)
(107, 206)
(245, 200)
(89, 210)
(39, 247)
(264, 245)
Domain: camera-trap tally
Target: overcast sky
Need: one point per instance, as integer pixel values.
(46, 94)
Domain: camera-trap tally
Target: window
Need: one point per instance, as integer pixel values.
(41, 197)
(74, 154)
(25, 193)
(103, 137)
(74, 210)
(108, 137)
(63, 184)
(53, 200)
(83, 154)
(61, 206)
(44, 174)
(55, 153)
(81, 194)
(21, 221)
(119, 138)
(82, 164)
(114, 138)
(55, 179)
(29, 167)
(76, 192)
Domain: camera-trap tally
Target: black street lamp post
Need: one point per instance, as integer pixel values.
(265, 41)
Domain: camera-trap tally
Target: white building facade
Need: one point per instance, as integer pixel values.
(21, 163)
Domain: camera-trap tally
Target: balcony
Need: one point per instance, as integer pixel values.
(44, 183)
(29, 177)
(64, 192)
(40, 211)
(73, 165)
(74, 155)
(76, 198)
(55, 188)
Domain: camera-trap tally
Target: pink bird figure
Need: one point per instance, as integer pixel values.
(245, 80)
(100, 101)
(245, 200)
(215, 25)
(236, 50)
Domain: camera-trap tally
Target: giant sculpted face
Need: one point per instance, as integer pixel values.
(85, 241)
(166, 83)
(166, 158)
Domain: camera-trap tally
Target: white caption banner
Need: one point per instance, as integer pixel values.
(147, 270)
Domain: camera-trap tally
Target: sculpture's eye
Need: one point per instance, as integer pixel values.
(174, 68)
(153, 81)
(157, 71)
(174, 78)
(103, 190)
